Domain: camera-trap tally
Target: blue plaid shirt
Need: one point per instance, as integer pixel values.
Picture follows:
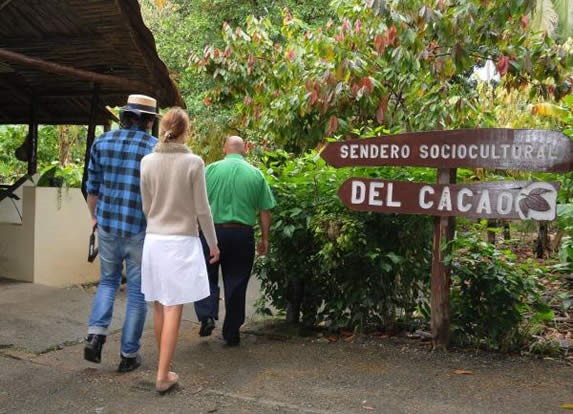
(113, 175)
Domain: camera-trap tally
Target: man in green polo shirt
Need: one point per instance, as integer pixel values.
(239, 197)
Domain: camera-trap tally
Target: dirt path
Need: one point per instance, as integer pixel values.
(273, 374)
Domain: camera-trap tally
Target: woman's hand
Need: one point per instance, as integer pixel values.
(214, 253)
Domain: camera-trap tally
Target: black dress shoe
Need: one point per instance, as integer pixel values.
(233, 340)
(92, 350)
(207, 326)
(129, 364)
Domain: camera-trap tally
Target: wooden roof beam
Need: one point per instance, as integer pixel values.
(68, 71)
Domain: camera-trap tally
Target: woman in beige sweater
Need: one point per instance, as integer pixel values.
(175, 201)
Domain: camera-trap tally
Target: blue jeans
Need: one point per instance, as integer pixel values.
(113, 251)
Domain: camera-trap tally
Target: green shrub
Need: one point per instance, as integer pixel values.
(356, 269)
(491, 294)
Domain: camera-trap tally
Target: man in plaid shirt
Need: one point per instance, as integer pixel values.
(114, 202)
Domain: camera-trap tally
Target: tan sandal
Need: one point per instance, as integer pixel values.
(162, 386)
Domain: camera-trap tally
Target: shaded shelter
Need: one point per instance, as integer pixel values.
(64, 61)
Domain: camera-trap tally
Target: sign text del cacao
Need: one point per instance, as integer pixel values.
(506, 199)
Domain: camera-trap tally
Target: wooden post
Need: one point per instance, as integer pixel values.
(90, 138)
(444, 228)
(33, 136)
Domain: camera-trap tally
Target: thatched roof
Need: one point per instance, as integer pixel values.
(58, 51)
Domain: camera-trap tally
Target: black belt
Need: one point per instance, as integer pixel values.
(233, 225)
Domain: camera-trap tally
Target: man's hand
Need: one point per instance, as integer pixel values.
(263, 247)
(92, 203)
(214, 254)
(265, 220)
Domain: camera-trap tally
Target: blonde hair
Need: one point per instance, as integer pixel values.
(174, 124)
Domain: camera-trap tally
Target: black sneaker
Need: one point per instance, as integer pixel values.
(129, 364)
(94, 345)
(207, 326)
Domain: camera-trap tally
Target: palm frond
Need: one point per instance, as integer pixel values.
(544, 16)
(564, 9)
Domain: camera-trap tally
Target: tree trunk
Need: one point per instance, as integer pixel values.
(506, 231)
(542, 241)
(491, 223)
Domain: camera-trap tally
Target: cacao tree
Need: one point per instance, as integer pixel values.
(377, 67)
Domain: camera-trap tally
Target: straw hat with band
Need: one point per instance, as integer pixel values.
(141, 104)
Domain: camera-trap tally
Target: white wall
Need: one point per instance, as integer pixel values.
(62, 227)
(9, 208)
(17, 241)
(50, 247)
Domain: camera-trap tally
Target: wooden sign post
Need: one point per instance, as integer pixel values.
(513, 149)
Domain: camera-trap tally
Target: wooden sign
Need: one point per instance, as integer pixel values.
(513, 149)
(523, 200)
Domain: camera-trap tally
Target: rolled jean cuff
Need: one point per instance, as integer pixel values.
(129, 355)
(97, 330)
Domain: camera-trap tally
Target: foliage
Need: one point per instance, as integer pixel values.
(563, 113)
(11, 137)
(491, 294)
(182, 28)
(358, 269)
(554, 17)
(376, 68)
(401, 65)
(62, 145)
(56, 175)
(499, 107)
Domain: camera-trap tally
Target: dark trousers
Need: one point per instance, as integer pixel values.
(237, 246)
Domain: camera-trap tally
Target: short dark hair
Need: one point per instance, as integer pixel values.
(129, 119)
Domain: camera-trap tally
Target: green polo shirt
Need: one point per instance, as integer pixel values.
(237, 191)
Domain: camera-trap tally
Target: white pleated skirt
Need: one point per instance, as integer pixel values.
(173, 269)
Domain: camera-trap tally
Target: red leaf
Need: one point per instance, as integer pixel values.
(355, 88)
(502, 65)
(367, 83)
(329, 78)
(392, 36)
(380, 43)
(332, 125)
(313, 97)
(382, 108)
(250, 64)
